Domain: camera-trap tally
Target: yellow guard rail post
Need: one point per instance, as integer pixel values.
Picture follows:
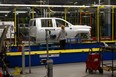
(113, 23)
(98, 26)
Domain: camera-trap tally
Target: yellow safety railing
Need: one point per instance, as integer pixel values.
(113, 23)
(98, 33)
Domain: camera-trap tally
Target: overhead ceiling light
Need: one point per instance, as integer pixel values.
(6, 15)
(75, 3)
(4, 11)
(20, 12)
(13, 12)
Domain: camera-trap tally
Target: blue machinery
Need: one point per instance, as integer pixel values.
(75, 52)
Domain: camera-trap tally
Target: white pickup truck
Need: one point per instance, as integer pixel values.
(38, 28)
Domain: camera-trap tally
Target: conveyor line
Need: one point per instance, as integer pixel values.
(53, 51)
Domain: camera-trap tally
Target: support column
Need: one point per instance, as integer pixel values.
(98, 26)
(113, 15)
(15, 20)
(65, 13)
(33, 13)
(23, 60)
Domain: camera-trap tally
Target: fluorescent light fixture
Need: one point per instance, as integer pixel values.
(17, 12)
(4, 11)
(13, 12)
(20, 12)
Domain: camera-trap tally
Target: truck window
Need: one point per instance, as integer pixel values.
(46, 23)
(26, 25)
(61, 22)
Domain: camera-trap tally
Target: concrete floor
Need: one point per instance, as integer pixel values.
(63, 70)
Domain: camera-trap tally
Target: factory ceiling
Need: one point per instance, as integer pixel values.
(50, 2)
(58, 2)
(54, 2)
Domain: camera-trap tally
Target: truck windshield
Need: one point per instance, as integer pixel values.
(61, 22)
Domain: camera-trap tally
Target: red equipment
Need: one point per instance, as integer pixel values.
(0, 73)
(93, 63)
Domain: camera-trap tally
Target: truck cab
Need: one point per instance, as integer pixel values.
(39, 25)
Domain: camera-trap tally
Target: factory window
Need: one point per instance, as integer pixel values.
(61, 22)
(46, 23)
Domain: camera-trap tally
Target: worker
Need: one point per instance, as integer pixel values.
(62, 37)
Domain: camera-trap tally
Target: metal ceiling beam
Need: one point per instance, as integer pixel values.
(47, 6)
(104, 5)
(25, 5)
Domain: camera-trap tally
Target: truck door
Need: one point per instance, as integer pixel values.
(32, 29)
(48, 24)
(69, 29)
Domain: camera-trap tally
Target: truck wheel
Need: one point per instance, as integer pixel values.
(101, 70)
